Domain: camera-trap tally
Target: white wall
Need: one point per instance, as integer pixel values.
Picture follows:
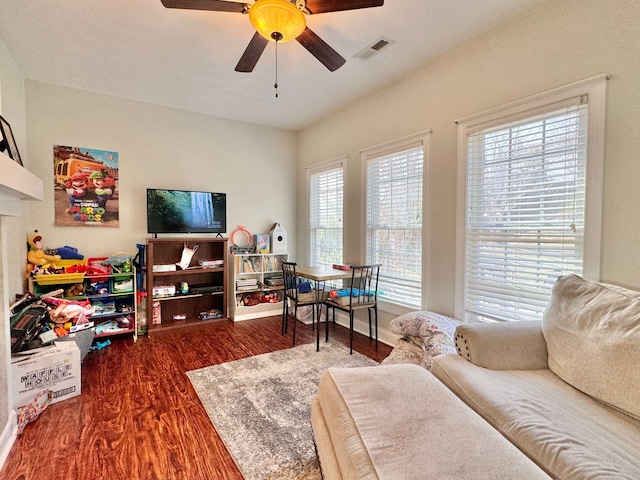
(558, 43)
(158, 147)
(12, 229)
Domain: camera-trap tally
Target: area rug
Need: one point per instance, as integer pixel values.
(260, 407)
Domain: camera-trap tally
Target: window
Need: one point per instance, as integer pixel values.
(525, 202)
(326, 186)
(394, 218)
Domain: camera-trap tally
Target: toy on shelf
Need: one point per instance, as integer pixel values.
(36, 256)
(68, 253)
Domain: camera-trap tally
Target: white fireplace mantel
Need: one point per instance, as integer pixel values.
(16, 183)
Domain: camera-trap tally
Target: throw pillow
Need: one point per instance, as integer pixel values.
(422, 323)
(592, 332)
(439, 324)
(405, 352)
(437, 344)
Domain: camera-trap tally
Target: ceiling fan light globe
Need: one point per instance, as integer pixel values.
(277, 16)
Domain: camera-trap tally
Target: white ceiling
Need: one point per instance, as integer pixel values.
(138, 49)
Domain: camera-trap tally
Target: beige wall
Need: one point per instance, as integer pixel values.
(158, 147)
(558, 43)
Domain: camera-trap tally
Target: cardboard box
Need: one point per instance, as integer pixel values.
(55, 368)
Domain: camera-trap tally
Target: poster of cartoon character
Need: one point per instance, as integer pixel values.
(86, 187)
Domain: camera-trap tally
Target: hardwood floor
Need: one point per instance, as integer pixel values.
(138, 416)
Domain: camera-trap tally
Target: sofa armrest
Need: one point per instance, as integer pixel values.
(503, 346)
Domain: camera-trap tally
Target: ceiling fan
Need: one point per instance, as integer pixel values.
(280, 21)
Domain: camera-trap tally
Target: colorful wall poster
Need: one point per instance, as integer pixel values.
(85, 187)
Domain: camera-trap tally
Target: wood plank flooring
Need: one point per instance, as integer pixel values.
(138, 416)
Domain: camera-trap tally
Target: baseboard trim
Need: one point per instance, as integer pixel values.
(8, 437)
(361, 326)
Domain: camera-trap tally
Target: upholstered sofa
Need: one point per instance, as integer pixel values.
(563, 394)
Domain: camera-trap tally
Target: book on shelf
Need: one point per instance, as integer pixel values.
(248, 265)
(272, 264)
(211, 263)
(341, 266)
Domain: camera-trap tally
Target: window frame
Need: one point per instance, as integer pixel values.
(422, 138)
(595, 89)
(339, 162)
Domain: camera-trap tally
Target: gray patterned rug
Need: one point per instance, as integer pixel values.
(260, 407)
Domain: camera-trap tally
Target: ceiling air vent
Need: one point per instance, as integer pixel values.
(370, 50)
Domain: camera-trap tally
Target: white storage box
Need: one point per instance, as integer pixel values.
(163, 291)
(55, 368)
(165, 268)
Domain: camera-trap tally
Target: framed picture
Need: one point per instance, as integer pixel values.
(7, 141)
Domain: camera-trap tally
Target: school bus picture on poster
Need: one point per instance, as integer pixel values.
(85, 187)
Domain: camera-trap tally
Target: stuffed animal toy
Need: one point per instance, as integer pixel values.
(36, 257)
(69, 253)
(75, 290)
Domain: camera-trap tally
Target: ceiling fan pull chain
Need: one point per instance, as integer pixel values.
(275, 85)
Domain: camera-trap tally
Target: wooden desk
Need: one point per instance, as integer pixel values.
(321, 275)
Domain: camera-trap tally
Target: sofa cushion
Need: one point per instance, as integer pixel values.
(571, 435)
(399, 422)
(592, 332)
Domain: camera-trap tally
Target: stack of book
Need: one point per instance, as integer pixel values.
(274, 281)
(246, 284)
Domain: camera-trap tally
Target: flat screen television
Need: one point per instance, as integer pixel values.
(182, 211)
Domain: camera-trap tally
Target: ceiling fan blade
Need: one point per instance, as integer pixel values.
(320, 49)
(252, 54)
(214, 5)
(326, 6)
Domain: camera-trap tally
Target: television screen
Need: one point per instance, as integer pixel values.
(181, 211)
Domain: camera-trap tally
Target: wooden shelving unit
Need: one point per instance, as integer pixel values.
(261, 268)
(207, 286)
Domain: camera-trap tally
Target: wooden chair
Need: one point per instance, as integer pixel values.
(362, 293)
(291, 294)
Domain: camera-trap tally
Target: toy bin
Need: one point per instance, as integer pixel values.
(121, 264)
(97, 286)
(59, 278)
(98, 269)
(103, 306)
(122, 284)
(68, 262)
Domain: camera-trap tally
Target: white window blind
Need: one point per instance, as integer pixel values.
(525, 211)
(394, 223)
(326, 215)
